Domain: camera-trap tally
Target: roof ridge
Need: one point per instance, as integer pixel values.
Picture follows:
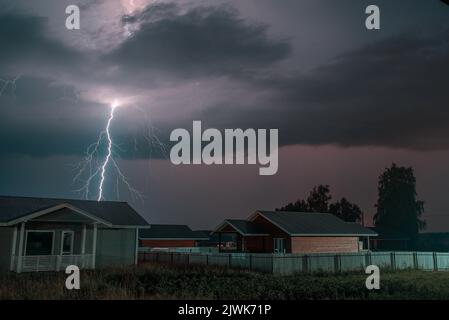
(271, 211)
(61, 199)
(168, 224)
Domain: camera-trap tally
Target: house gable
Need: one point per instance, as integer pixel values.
(273, 229)
(243, 227)
(64, 215)
(63, 210)
(113, 214)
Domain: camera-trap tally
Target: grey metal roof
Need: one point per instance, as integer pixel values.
(300, 223)
(171, 231)
(246, 227)
(116, 213)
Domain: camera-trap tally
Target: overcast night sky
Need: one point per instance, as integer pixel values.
(347, 101)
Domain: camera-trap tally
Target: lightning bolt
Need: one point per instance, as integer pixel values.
(94, 165)
(108, 156)
(97, 169)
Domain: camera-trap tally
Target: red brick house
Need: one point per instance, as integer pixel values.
(170, 236)
(294, 232)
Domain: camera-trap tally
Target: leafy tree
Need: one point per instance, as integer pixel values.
(298, 206)
(318, 201)
(397, 205)
(345, 210)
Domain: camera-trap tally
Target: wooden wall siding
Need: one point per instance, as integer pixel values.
(256, 244)
(5, 247)
(324, 244)
(168, 243)
(228, 228)
(272, 229)
(64, 215)
(274, 232)
(115, 247)
(251, 243)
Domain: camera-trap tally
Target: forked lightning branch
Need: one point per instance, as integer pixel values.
(96, 167)
(109, 155)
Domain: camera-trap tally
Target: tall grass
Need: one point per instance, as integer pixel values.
(201, 282)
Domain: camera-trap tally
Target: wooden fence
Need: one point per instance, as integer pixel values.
(294, 263)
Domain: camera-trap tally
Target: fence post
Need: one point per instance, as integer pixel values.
(393, 261)
(58, 263)
(207, 259)
(337, 263)
(368, 259)
(415, 260)
(435, 261)
(305, 264)
(230, 260)
(250, 262)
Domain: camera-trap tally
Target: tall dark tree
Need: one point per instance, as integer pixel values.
(346, 210)
(318, 200)
(397, 205)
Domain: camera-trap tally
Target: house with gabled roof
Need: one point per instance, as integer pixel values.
(294, 232)
(40, 234)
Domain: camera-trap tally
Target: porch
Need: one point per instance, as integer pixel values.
(51, 262)
(61, 237)
(43, 246)
(246, 237)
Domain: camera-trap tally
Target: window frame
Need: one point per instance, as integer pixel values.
(72, 243)
(40, 231)
(283, 241)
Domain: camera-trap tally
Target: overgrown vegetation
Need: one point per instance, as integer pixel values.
(200, 282)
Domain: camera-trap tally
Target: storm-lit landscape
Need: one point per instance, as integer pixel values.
(227, 150)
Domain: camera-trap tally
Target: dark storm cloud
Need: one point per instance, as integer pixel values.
(390, 93)
(41, 118)
(24, 41)
(39, 115)
(195, 41)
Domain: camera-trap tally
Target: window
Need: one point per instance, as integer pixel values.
(279, 246)
(67, 243)
(39, 243)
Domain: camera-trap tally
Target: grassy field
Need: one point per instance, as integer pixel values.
(168, 282)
